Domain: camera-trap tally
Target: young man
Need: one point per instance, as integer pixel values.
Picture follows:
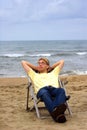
(47, 87)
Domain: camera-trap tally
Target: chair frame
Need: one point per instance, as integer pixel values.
(31, 94)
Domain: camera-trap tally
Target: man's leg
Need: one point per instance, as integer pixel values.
(45, 96)
(47, 93)
(55, 107)
(59, 105)
(60, 96)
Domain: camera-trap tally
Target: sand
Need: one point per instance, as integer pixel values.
(13, 114)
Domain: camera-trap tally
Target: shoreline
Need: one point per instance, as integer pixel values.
(20, 80)
(13, 114)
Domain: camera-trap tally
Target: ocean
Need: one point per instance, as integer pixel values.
(74, 53)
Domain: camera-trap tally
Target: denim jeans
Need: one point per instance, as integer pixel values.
(52, 97)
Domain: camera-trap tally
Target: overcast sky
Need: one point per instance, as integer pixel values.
(43, 19)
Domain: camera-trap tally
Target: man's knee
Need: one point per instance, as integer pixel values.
(41, 92)
(44, 96)
(62, 90)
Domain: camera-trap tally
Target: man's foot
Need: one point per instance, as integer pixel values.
(58, 113)
(61, 118)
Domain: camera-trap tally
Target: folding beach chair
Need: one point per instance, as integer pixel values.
(31, 97)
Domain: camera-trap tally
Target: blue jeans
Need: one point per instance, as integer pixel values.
(52, 97)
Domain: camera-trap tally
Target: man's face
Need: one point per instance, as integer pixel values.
(42, 66)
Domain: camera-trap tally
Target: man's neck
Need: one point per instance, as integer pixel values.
(43, 72)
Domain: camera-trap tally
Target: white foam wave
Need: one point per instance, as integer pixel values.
(74, 72)
(81, 53)
(78, 72)
(31, 55)
(37, 55)
(13, 55)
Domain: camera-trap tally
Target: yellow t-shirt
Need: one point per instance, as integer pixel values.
(41, 80)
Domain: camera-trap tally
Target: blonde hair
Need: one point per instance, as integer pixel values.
(45, 59)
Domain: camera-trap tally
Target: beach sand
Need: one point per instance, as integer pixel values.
(13, 114)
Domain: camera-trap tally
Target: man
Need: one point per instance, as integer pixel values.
(46, 85)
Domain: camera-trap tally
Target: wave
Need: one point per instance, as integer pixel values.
(81, 53)
(13, 55)
(74, 72)
(43, 54)
(22, 55)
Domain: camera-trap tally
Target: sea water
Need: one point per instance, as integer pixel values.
(74, 53)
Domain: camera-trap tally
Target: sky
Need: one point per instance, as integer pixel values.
(43, 20)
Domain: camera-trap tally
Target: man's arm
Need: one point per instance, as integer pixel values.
(27, 66)
(59, 63)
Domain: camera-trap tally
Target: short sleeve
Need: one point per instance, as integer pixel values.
(56, 70)
(31, 73)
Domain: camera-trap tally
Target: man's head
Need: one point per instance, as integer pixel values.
(45, 60)
(43, 65)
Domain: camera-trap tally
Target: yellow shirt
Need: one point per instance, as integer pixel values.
(41, 80)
